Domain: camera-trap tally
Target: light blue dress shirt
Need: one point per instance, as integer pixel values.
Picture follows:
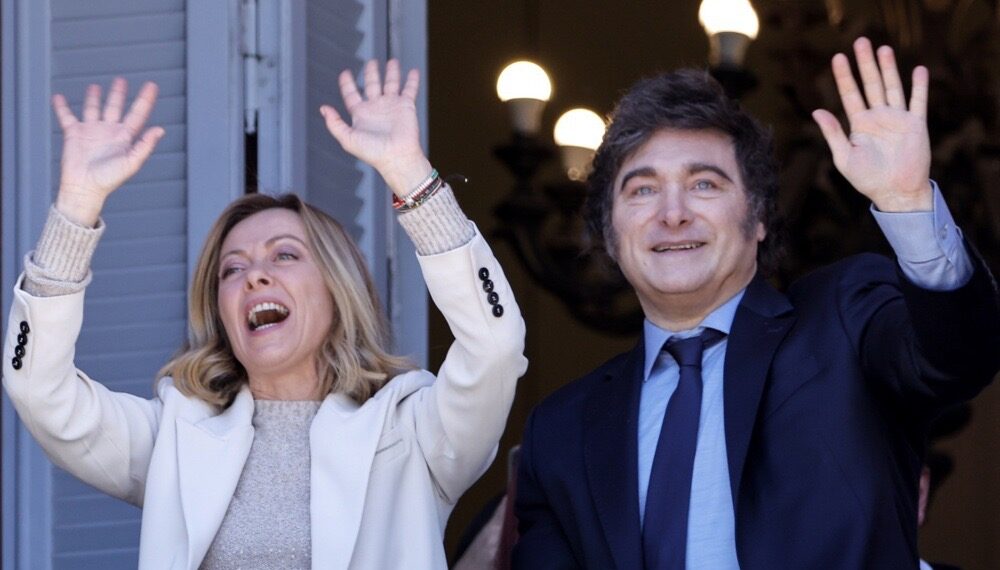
(930, 252)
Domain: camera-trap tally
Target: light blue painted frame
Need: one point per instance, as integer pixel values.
(215, 116)
(407, 299)
(27, 542)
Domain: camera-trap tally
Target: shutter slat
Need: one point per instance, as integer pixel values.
(131, 29)
(86, 62)
(63, 10)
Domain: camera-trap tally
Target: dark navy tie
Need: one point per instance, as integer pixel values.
(664, 528)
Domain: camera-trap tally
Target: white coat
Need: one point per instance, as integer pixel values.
(384, 475)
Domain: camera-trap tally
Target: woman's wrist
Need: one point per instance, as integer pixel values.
(82, 210)
(439, 225)
(422, 193)
(406, 175)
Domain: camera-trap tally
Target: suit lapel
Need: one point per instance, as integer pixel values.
(343, 438)
(610, 453)
(762, 321)
(211, 454)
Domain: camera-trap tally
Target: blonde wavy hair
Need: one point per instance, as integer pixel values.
(354, 360)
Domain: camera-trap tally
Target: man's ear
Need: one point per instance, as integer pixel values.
(761, 232)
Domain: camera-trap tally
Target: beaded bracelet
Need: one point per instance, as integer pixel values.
(420, 195)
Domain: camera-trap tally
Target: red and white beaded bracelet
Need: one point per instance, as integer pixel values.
(421, 194)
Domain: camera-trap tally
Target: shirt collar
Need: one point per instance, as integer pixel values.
(720, 319)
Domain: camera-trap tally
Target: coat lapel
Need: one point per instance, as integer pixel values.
(211, 454)
(343, 438)
(762, 321)
(610, 453)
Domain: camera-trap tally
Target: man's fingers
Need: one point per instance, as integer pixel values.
(918, 97)
(64, 115)
(349, 91)
(335, 124)
(412, 85)
(833, 133)
(373, 83)
(391, 77)
(870, 76)
(141, 108)
(92, 103)
(116, 100)
(850, 96)
(894, 95)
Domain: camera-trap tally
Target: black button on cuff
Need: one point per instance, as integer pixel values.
(497, 310)
(16, 362)
(493, 298)
(19, 351)
(24, 327)
(484, 273)
(488, 286)
(22, 339)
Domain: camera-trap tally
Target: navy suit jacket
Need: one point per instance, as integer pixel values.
(827, 394)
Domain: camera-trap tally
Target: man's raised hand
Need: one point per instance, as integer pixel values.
(887, 154)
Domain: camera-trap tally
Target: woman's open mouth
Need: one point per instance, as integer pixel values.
(265, 315)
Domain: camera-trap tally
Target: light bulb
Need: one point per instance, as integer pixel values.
(718, 16)
(579, 127)
(578, 133)
(524, 80)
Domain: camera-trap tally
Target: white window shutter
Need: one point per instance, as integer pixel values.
(135, 311)
(297, 55)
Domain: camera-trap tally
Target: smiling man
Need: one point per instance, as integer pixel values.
(683, 232)
(751, 428)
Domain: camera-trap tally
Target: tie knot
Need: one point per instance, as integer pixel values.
(687, 351)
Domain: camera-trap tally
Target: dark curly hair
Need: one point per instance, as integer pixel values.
(687, 99)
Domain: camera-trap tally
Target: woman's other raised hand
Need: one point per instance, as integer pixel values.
(104, 149)
(384, 130)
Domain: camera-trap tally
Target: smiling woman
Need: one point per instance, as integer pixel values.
(284, 434)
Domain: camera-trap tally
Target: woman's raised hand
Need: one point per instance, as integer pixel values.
(384, 131)
(104, 149)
